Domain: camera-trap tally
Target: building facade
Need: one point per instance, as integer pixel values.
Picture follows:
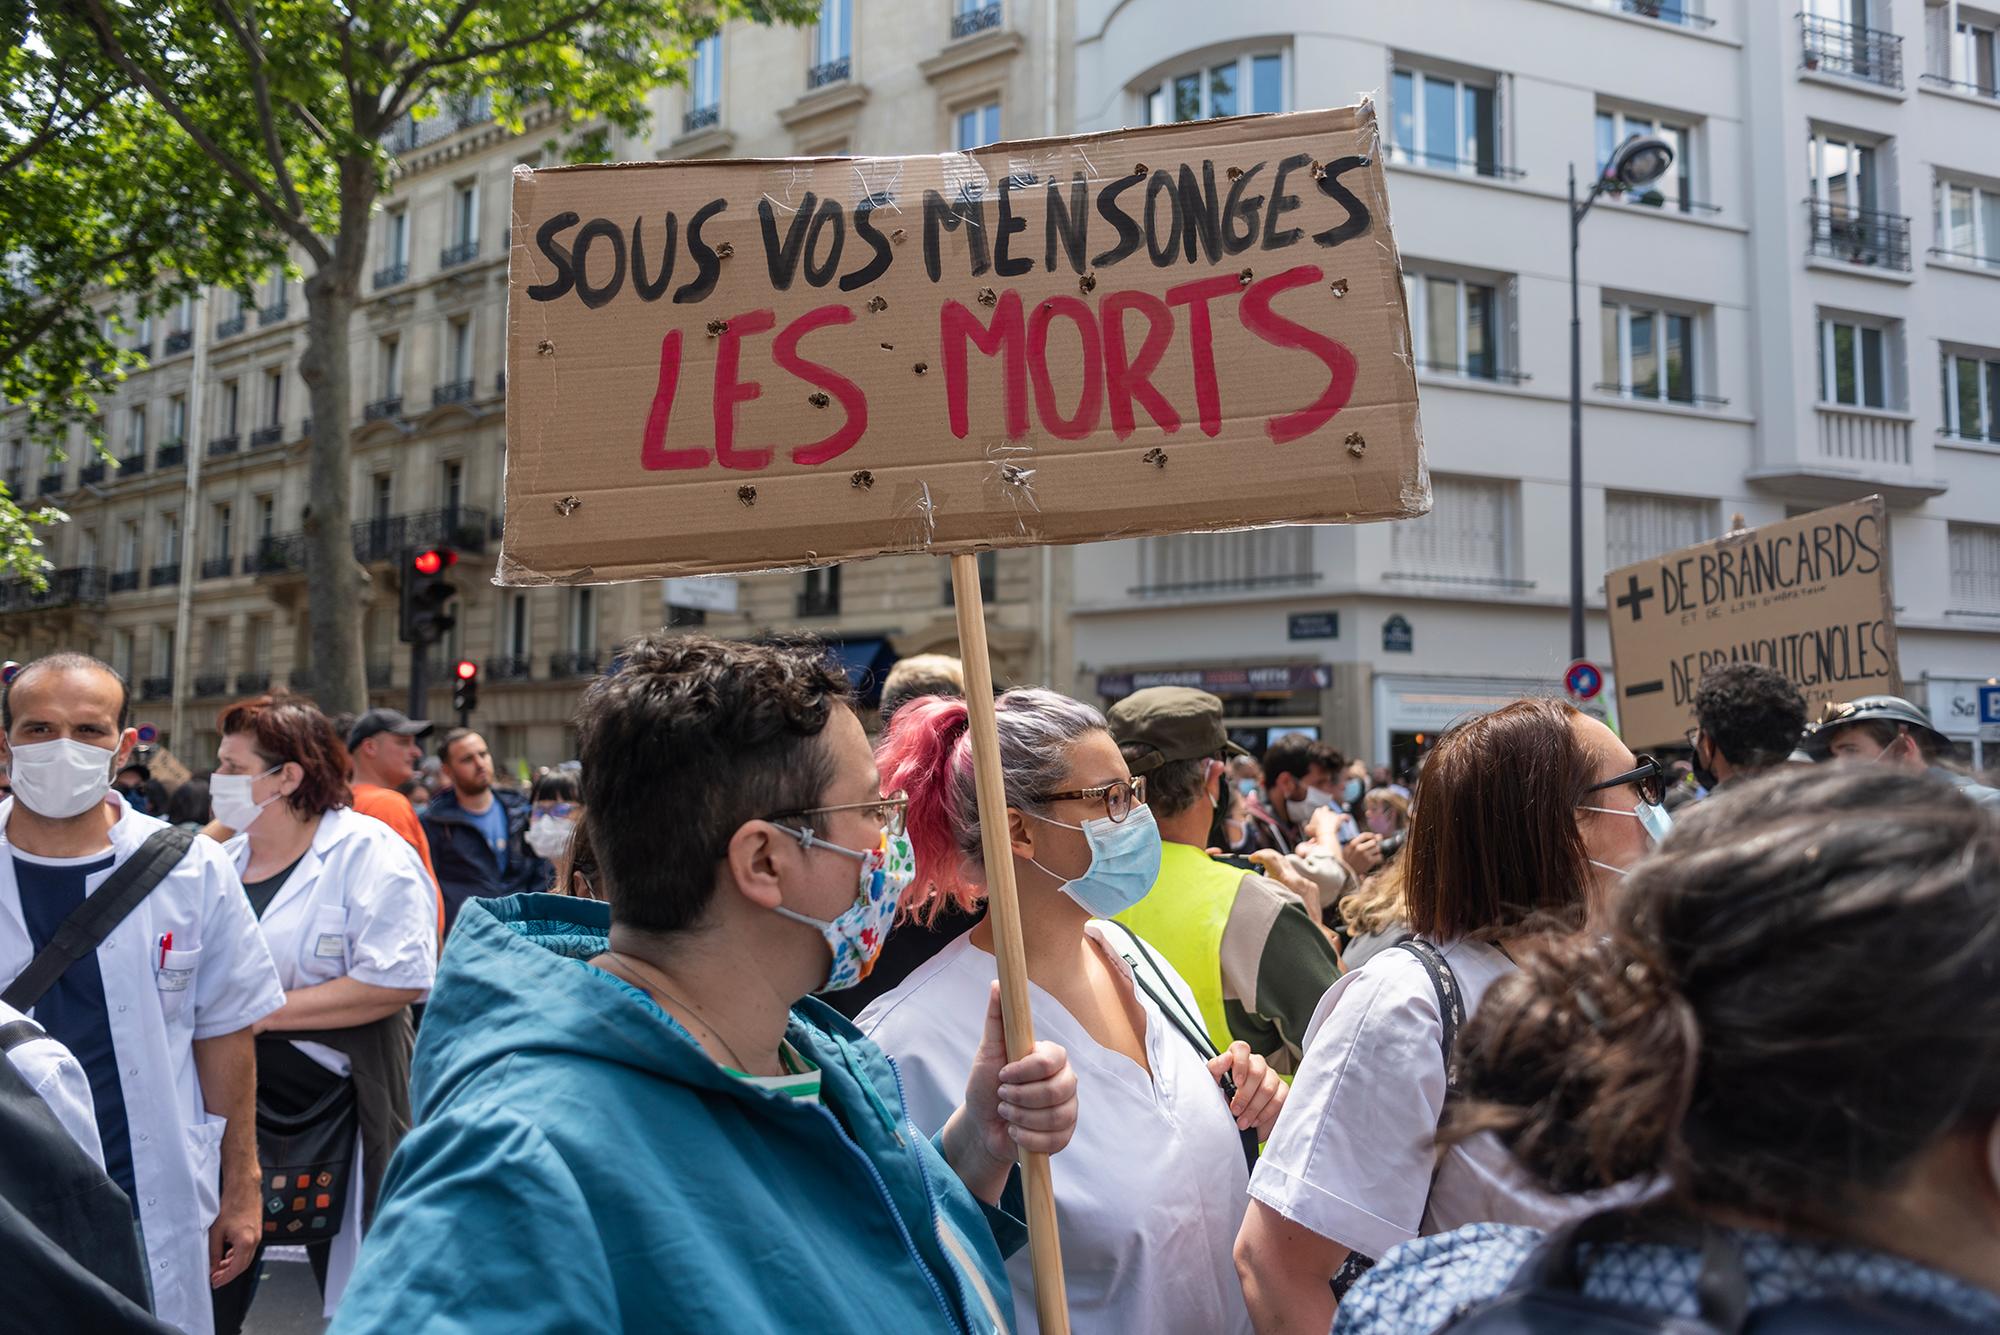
(210, 440)
(1804, 310)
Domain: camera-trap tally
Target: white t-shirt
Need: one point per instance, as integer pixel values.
(1149, 1192)
(1352, 1156)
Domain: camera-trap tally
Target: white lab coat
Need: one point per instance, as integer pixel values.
(1150, 1191)
(217, 980)
(358, 905)
(59, 1080)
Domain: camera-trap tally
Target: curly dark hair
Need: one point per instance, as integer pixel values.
(1795, 1000)
(690, 738)
(285, 728)
(1750, 713)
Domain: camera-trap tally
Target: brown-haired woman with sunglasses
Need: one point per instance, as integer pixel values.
(1524, 821)
(1151, 1189)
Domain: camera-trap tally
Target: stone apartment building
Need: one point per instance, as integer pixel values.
(214, 469)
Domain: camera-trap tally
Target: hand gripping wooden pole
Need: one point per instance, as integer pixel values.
(1044, 1248)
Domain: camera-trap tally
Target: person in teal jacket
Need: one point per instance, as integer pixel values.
(630, 1116)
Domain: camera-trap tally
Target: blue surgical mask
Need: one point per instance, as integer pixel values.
(1657, 819)
(1352, 793)
(1124, 861)
(1247, 787)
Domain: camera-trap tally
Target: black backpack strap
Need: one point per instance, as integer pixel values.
(96, 917)
(1450, 1000)
(1169, 1003)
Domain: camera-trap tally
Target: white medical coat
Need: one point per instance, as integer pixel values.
(60, 1081)
(1149, 1193)
(358, 905)
(217, 980)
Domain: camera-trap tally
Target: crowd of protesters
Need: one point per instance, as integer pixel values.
(702, 1031)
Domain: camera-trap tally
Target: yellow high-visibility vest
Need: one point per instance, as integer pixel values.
(1182, 917)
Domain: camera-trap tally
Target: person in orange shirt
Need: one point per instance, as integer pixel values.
(385, 746)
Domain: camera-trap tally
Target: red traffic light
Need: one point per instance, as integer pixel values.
(466, 669)
(433, 559)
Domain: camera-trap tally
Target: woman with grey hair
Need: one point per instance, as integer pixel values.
(1153, 1187)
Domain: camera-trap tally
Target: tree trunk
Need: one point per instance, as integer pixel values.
(334, 580)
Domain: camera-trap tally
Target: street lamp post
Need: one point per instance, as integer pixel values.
(1640, 160)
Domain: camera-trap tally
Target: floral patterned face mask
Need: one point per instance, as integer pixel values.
(857, 935)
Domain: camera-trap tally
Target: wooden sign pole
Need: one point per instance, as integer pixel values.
(1044, 1248)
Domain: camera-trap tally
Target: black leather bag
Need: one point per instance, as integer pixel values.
(306, 1146)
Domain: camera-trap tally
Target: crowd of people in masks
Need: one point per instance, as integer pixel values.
(1546, 1035)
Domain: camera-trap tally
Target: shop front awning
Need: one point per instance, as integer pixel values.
(867, 660)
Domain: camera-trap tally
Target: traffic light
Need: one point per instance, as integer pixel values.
(465, 688)
(426, 591)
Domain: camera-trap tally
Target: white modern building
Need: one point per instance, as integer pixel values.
(1805, 310)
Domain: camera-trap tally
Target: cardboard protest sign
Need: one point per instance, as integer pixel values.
(728, 366)
(1809, 597)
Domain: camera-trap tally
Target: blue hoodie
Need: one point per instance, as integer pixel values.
(579, 1163)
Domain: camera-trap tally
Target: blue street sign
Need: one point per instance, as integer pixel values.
(1397, 637)
(1989, 706)
(1313, 626)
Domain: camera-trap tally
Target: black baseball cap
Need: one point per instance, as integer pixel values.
(386, 720)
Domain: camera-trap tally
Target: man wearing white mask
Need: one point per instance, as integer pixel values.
(157, 1001)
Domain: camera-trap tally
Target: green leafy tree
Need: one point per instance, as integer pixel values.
(291, 104)
(88, 226)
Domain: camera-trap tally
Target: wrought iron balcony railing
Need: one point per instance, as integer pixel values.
(1859, 236)
(1850, 50)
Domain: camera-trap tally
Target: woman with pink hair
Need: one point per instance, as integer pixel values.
(1152, 1188)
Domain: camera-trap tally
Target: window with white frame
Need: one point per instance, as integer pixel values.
(87, 547)
(1455, 323)
(1975, 567)
(1467, 537)
(1444, 121)
(975, 126)
(833, 42)
(389, 367)
(232, 403)
(465, 214)
(1854, 363)
(1638, 526)
(163, 651)
(1853, 202)
(1206, 562)
(454, 485)
(135, 425)
(396, 238)
(1649, 353)
(382, 498)
(705, 75)
(274, 396)
(183, 319)
(128, 545)
(170, 537)
(1960, 46)
(458, 349)
(1675, 190)
(215, 645)
(1968, 222)
(1972, 397)
(259, 641)
(583, 619)
(222, 530)
(1231, 86)
(266, 510)
(517, 627)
